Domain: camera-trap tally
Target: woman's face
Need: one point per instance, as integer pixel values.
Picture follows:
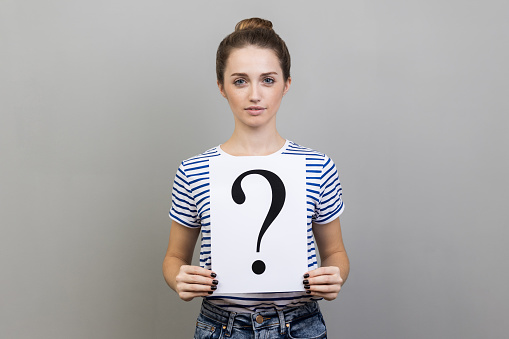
(254, 86)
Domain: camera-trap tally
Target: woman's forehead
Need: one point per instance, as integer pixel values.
(252, 59)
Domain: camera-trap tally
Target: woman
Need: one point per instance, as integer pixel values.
(253, 74)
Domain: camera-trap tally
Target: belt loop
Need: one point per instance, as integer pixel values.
(230, 324)
(281, 321)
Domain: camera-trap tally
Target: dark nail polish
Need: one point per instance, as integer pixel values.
(308, 291)
(213, 288)
(306, 275)
(213, 275)
(210, 292)
(215, 282)
(305, 282)
(307, 287)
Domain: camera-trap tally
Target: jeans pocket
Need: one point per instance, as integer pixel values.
(207, 328)
(308, 328)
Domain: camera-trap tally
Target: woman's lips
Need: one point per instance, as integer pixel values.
(255, 110)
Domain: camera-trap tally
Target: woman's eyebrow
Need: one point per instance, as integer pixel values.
(269, 73)
(245, 74)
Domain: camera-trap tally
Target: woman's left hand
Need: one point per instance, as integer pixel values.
(323, 282)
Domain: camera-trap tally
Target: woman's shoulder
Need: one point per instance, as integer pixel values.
(313, 157)
(202, 157)
(296, 149)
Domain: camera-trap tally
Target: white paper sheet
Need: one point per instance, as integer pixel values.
(235, 228)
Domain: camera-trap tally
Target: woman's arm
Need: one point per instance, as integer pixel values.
(188, 281)
(327, 280)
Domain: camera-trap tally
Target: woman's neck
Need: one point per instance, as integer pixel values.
(255, 142)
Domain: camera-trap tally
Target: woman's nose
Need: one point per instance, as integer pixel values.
(254, 94)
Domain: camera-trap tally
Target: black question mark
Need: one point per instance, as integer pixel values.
(278, 200)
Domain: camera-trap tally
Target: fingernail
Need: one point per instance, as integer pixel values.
(306, 275)
(305, 282)
(215, 282)
(213, 287)
(213, 275)
(308, 291)
(307, 287)
(210, 292)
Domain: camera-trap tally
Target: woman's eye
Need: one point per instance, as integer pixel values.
(268, 80)
(239, 82)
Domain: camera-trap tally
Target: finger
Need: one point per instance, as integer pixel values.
(196, 288)
(326, 296)
(195, 279)
(196, 275)
(323, 288)
(188, 296)
(197, 270)
(324, 280)
(322, 271)
(327, 292)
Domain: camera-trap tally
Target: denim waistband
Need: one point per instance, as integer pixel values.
(258, 320)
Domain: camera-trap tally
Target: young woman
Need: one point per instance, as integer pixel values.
(253, 74)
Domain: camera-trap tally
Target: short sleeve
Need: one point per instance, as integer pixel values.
(330, 205)
(183, 207)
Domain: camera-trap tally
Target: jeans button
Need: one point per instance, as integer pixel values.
(259, 319)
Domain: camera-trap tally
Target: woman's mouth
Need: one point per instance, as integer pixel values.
(255, 110)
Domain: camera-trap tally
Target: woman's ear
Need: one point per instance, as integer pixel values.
(287, 85)
(221, 89)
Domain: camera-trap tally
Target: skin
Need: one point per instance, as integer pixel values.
(253, 77)
(254, 87)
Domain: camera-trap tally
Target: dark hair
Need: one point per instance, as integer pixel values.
(252, 32)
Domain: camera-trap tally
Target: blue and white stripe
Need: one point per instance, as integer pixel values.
(191, 208)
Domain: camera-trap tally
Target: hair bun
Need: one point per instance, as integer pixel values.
(253, 23)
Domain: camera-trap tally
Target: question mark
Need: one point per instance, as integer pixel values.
(278, 200)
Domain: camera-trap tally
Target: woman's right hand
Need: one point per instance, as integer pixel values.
(195, 281)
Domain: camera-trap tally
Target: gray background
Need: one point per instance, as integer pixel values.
(102, 99)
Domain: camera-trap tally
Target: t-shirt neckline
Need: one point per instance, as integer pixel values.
(220, 150)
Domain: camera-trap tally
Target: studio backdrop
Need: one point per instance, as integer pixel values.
(100, 101)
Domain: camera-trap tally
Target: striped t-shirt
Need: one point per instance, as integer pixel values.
(191, 208)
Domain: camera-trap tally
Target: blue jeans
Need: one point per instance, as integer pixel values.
(304, 322)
